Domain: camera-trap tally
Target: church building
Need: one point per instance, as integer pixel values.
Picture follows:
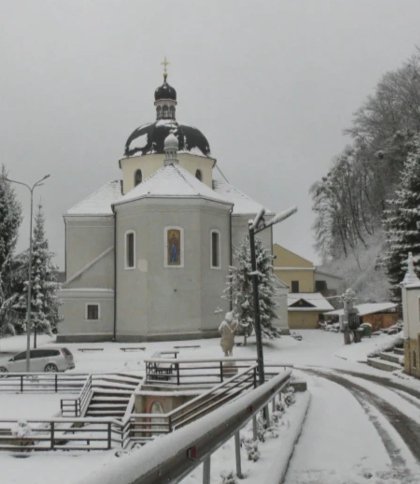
(147, 256)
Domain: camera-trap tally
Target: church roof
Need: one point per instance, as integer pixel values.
(243, 204)
(99, 202)
(175, 181)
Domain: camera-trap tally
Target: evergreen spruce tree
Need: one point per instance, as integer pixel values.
(401, 222)
(239, 289)
(44, 301)
(10, 219)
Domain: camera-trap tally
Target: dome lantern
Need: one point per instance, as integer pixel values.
(165, 97)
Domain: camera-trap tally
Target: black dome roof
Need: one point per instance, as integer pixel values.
(149, 138)
(165, 91)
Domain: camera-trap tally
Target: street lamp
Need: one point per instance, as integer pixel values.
(28, 310)
(255, 226)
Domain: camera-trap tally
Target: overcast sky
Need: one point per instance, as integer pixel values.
(272, 84)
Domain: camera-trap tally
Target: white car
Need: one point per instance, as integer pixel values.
(41, 359)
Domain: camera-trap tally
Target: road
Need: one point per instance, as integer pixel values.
(360, 428)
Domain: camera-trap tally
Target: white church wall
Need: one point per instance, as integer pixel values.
(86, 238)
(99, 274)
(150, 163)
(168, 300)
(240, 230)
(73, 310)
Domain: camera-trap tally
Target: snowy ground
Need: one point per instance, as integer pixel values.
(362, 424)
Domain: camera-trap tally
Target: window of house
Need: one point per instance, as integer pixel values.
(130, 255)
(174, 247)
(295, 286)
(414, 360)
(92, 312)
(215, 249)
(138, 177)
(320, 286)
(198, 175)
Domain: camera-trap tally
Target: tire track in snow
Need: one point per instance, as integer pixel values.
(407, 428)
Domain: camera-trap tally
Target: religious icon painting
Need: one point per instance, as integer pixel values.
(173, 243)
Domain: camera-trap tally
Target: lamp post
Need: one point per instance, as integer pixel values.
(28, 310)
(255, 226)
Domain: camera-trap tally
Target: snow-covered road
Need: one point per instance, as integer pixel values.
(357, 431)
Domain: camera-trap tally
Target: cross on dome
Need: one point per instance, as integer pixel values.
(165, 64)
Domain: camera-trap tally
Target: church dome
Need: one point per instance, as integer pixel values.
(165, 91)
(150, 138)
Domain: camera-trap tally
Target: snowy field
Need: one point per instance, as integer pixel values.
(357, 429)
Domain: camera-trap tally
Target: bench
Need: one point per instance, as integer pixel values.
(163, 371)
(133, 348)
(89, 349)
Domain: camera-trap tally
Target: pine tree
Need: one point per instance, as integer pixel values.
(402, 222)
(239, 289)
(10, 219)
(44, 301)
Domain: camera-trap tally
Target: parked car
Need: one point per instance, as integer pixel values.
(41, 359)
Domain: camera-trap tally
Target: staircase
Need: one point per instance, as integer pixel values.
(111, 393)
(390, 360)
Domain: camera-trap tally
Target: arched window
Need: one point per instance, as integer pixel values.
(174, 247)
(138, 177)
(198, 175)
(215, 249)
(158, 112)
(165, 112)
(172, 111)
(130, 249)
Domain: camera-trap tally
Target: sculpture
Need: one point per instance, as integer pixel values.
(227, 330)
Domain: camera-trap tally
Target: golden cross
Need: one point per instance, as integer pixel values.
(165, 64)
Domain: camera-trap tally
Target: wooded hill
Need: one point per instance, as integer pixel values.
(352, 201)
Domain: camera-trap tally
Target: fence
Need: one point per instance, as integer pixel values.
(78, 406)
(206, 372)
(41, 382)
(173, 457)
(59, 433)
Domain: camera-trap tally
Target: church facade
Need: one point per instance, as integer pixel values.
(147, 256)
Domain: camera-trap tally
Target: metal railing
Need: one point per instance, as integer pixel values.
(207, 372)
(59, 434)
(76, 407)
(41, 382)
(142, 427)
(173, 457)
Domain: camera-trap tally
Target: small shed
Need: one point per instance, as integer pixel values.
(380, 315)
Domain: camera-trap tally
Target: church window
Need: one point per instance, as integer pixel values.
(215, 249)
(172, 111)
(198, 175)
(130, 251)
(92, 312)
(295, 286)
(165, 112)
(138, 177)
(158, 112)
(174, 247)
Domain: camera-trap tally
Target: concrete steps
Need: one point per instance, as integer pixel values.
(382, 364)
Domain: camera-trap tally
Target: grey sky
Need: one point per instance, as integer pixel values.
(272, 84)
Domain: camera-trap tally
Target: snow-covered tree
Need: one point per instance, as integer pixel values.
(401, 221)
(44, 301)
(239, 289)
(10, 218)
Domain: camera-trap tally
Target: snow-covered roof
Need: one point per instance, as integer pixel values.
(366, 308)
(172, 180)
(243, 204)
(316, 301)
(99, 202)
